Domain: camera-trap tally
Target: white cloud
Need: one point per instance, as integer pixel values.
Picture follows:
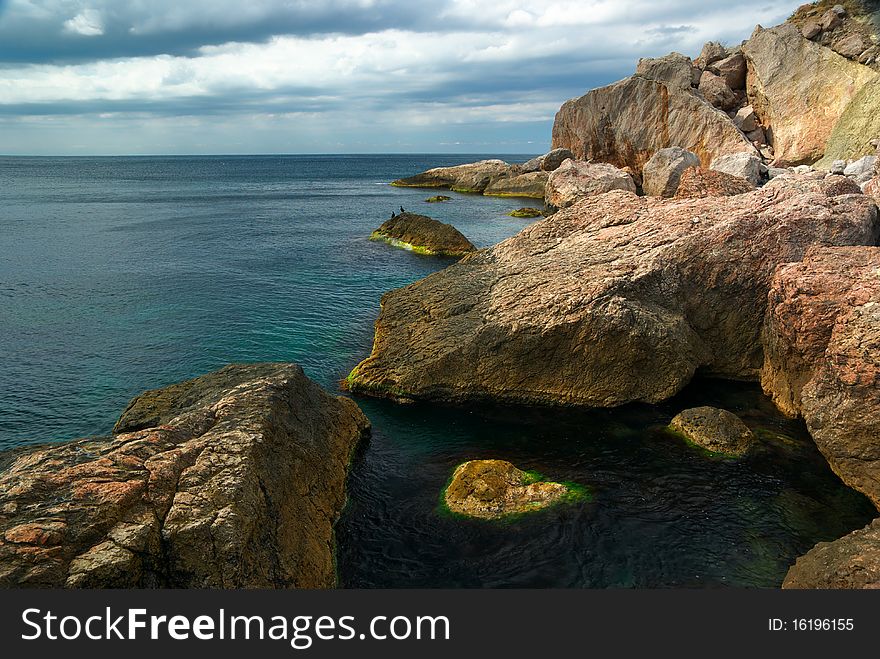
(87, 23)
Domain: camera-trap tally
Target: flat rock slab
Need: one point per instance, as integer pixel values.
(233, 480)
(617, 299)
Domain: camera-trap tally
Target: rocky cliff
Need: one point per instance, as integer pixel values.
(231, 480)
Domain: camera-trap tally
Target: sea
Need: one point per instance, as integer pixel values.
(120, 274)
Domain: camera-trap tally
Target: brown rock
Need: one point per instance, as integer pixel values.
(850, 562)
(574, 180)
(232, 480)
(490, 489)
(732, 70)
(872, 188)
(836, 185)
(851, 45)
(811, 29)
(424, 235)
(800, 90)
(822, 355)
(663, 171)
(674, 69)
(531, 185)
(472, 177)
(624, 124)
(697, 183)
(712, 52)
(715, 90)
(715, 430)
(616, 299)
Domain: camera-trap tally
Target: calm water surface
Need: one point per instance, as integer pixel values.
(121, 274)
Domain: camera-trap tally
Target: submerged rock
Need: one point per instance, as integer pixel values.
(715, 430)
(574, 180)
(822, 356)
(526, 212)
(490, 489)
(424, 235)
(437, 198)
(472, 177)
(616, 299)
(231, 480)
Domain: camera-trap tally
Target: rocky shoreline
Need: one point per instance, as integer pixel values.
(714, 216)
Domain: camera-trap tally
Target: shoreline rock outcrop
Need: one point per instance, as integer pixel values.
(574, 180)
(471, 177)
(231, 480)
(492, 489)
(613, 300)
(424, 235)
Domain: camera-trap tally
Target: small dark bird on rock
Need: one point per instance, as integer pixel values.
(393, 215)
(401, 210)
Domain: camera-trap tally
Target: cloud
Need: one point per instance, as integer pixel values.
(382, 71)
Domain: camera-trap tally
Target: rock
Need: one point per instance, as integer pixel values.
(715, 430)
(746, 119)
(674, 69)
(711, 53)
(853, 131)
(732, 70)
(743, 165)
(851, 45)
(716, 92)
(626, 123)
(872, 188)
(757, 136)
(835, 185)
(554, 159)
(424, 235)
(830, 20)
(530, 185)
(822, 355)
(697, 183)
(490, 489)
(838, 166)
(800, 90)
(548, 162)
(863, 167)
(773, 172)
(811, 29)
(437, 199)
(526, 212)
(663, 171)
(616, 299)
(472, 177)
(574, 180)
(850, 562)
(232, 480)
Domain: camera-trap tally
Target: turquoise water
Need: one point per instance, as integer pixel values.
(121, 274)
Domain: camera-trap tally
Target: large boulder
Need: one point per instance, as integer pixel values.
(471, 177)
(663, 171)
(616, 299)
(744, 165)
(697, 182)
(626, 123)
(732, 70)
(530, 185)
(822, 355)
(856, 127)
(715, 430)
(674, 69)
(800, 90)
(575, 179)
(422, 234)
(851, 562)
(491, 489)
(231, 480)
(715, 90)
(547, 163)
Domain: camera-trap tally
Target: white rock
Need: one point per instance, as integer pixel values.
(744, 165)
(838, 166)
(861, 166)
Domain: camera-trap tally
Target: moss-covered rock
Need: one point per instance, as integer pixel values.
(526, 212)
(424, 235)
(437, 198)
(718, 431)
(491, 489)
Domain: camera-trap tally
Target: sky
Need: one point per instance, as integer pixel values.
(113, 77)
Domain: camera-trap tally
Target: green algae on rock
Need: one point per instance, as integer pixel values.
(718, 431)
(423, 235)
(526, 212)
(437, 198)
(492, 489)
